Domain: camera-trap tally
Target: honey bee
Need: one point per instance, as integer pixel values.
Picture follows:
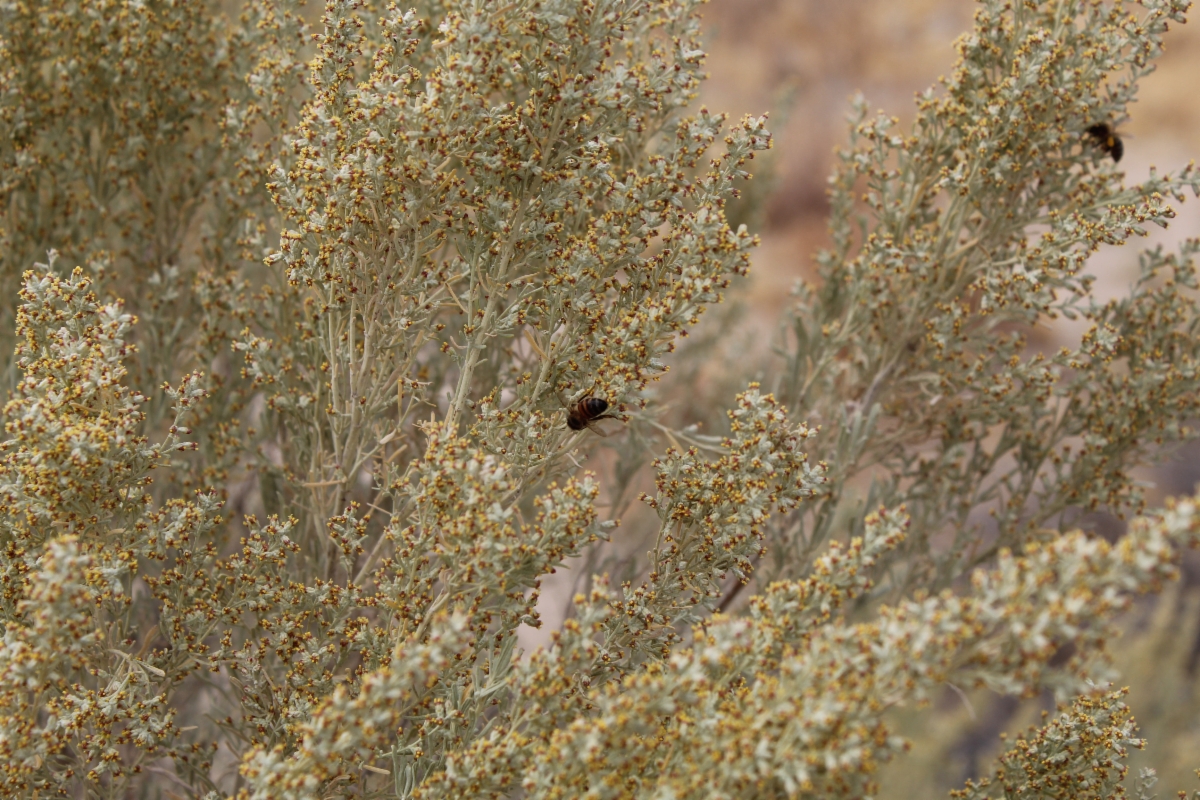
(1107, 139)
(585, 412)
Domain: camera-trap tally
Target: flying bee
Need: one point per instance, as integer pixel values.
(1107, 139)
(587, 411)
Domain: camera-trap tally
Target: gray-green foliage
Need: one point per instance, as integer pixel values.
(378, 289)
(913, 351)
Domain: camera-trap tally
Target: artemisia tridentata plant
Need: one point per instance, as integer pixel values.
(286, 455)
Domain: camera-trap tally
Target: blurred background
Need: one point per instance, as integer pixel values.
(802, 61)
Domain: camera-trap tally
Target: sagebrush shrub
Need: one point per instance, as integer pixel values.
(287, 454)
